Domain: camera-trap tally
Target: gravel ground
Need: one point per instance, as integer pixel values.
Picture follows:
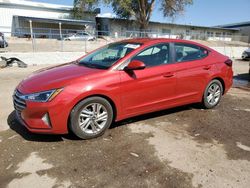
(181, 147)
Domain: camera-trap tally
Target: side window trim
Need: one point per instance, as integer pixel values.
(171, 53)
(190, 45)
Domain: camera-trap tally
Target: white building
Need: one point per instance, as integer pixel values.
(243, 27)
(130, 28)
(16, 15)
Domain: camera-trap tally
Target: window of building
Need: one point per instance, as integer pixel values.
(166, 31)
(218, 34)
(210, 34)
(105, 27)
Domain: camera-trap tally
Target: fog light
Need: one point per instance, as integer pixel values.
(46, 119)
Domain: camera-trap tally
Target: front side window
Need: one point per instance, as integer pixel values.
(187, 52)
(154, 55)
(108, 55)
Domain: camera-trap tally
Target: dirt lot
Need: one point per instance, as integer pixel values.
(181, 147)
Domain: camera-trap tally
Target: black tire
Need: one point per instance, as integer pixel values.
(75, 115)
(205, 102)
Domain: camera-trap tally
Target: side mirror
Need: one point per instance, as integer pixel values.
(135, 65)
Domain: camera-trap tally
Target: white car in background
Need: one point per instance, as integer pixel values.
(246, 54)
(83, 36)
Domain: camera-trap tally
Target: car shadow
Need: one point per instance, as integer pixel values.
(16, 126)
(155, 115)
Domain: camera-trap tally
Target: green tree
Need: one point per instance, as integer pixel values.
(140, 10)
(81, 6)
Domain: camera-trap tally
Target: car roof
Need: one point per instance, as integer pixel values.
(157, 40)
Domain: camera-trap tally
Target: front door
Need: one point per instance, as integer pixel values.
(152, 88)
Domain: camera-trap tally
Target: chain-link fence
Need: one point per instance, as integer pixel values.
(53, 40)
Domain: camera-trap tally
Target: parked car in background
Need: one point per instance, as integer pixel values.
(246, 54)
(121, 80)
(83, 36)
(3, 42)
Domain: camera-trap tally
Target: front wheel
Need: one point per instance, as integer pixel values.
(91, 117)
(212, 94)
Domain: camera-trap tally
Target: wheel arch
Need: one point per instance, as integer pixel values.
(112, 103)
(222, 83)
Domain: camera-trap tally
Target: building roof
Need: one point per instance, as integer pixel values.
(176, 25)
(22, 3)
(52, 20)
(235, 25)
(199, 26)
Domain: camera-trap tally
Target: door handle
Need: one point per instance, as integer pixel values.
(168, 75)
(207, 67)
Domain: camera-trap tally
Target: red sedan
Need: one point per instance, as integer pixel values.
(118, 81)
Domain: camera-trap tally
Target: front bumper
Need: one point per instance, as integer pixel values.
(37, 117)
(33, 130)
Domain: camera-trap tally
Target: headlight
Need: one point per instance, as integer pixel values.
(43, 96)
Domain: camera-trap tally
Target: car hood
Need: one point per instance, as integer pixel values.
(55, 77)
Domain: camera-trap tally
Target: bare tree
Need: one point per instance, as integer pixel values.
(140, 10)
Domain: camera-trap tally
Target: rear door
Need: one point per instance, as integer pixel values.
(151, 88)
(192, 71)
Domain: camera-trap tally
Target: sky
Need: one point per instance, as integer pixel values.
(202, 12)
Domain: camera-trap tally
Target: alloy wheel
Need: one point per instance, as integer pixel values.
(213, 94)
(92, 118)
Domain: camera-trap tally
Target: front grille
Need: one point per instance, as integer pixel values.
(19, 103)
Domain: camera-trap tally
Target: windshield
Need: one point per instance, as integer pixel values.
(108, 55)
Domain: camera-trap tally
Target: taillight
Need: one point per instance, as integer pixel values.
(229, 62)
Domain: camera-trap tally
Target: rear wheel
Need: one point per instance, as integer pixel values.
(212, 94)
(91, 117)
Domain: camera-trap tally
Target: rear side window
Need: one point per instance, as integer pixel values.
(187, 52)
